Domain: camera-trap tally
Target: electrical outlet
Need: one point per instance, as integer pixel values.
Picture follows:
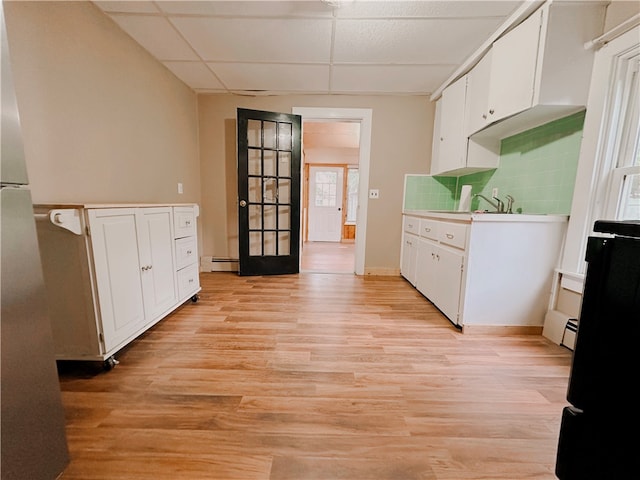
(494, 192)
(374, 193)
(180, 189)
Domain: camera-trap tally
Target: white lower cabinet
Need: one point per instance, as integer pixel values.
(439, 276)
(112, 272)
(409, 249)
(484, 270)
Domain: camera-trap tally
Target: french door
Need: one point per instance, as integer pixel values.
(269, 151)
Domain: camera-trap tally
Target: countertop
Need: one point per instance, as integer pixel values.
(469, 217)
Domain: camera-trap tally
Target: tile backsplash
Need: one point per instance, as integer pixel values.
(537, 167)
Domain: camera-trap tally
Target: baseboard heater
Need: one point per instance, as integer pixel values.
(560, 328)
(219, 264)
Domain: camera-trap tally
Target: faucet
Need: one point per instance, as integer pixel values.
(499, 206)
(510, 201)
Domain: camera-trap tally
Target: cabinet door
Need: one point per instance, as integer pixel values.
(449, 281)
(478, 80)
(409, 253)
(437, 138)
(155, 239)
(117, 269)
(453, 145)
(513, 69)
(426, 271)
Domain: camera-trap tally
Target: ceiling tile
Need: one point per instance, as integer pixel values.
(195, 74)
(157, 35)
(283, 77)
(243, 8)
(409, 40)
(427, 9)
(258, 40)
(391, 78)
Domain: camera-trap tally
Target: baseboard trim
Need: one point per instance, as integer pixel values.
(388, 272)
(502, 330)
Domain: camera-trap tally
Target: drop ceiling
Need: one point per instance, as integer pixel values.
(311, 46)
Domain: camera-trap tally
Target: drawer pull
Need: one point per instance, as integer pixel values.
(188, 252)
(187, 223)
(427, 229)
(410, 225)
(449, 235)
(191, 280)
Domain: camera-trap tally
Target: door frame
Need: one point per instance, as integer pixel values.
(364, 116)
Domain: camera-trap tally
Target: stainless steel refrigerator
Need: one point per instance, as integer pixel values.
(33, 443)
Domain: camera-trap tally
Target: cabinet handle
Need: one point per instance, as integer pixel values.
(409, 243)
(187, 223)
(492, 111)
(410, 225)
(188, 252)
(484, 116)
(427, 229)
(438, 257)
(191, 280)
(449, 235)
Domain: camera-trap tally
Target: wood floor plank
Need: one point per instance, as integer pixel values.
(316, 377)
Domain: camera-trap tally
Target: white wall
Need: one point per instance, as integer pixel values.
(102, 120)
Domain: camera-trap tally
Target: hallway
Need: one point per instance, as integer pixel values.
(328, 257)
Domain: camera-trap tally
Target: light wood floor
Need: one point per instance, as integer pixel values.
(328, 257)
(316, 377)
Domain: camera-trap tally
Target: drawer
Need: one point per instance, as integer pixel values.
(184, 221)
(188, 281)
(429, 229)
(454, 234)
(186, 252)
(411, 225)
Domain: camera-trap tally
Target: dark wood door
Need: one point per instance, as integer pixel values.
(269, 152)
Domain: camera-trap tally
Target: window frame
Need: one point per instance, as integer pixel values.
(599, 178)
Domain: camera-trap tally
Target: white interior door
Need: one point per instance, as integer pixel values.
(325, 203)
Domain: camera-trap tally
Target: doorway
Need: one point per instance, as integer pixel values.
(330, 187)
(358, 219)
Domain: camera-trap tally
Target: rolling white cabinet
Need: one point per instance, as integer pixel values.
(409, 248)
(111, 272)
(186, 248)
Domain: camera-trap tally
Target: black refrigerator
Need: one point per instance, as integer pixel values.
(598, 429)
(33, 443)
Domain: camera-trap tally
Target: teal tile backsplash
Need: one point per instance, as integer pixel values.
(424, 192)
(537, 167)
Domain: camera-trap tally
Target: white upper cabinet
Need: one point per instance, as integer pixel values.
(450, 136)
(478, 80)
(538, 72)
(513, 70)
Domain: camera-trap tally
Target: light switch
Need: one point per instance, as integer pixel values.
(180, 189)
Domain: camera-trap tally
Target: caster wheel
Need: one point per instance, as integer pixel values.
(109, 363)
(195, 298)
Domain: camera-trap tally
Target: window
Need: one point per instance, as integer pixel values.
(623, 199)
(326, 191)
(608, 178)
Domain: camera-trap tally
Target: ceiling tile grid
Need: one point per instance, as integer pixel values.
(311, 46)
